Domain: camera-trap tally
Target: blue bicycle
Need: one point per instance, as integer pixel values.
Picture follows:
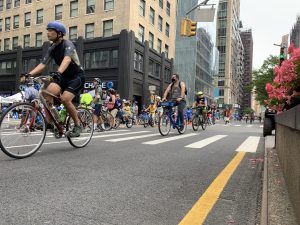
(170, 118)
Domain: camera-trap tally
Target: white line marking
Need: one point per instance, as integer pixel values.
(249, 126)
(131, 138)
(159, 141)
(204, 142)
(237, 125)
(261, 126)
(249, 145)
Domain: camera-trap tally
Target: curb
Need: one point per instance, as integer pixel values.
(264, 204)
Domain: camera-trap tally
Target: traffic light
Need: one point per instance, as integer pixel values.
(183, 27)
(192, 26)
(281, 56)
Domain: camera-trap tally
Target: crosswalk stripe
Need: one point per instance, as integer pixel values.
(261, 126)
(237, 125)
(204, 142)
(131, 138)
(249, 126)
(249, 145)
(159, 141)
(122, 134)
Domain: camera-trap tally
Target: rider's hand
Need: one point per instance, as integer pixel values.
(163, 99)
(55, 75)
(178, 99)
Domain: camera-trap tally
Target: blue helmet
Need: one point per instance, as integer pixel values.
(98, 80)
(59, 27)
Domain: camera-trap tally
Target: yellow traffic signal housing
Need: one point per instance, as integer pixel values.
(192, 27)
(183, 27)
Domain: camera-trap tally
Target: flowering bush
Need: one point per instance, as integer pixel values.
(284, 91)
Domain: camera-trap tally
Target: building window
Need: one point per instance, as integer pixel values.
(167, 30)
(8, 4)
(151, 40)
(157, 70)
(58, 12)
(16, 3)
(161, 4)
(107, 28)
(7, 23)
(160, 22)
(38, 39)
(167, 76)
(73, 8)
(138, 62)
(142, 7)
(108, 4)
(1, 25)
(6, 44)
(152, 16)
(39, 16)
(167, 50)
(89, 31)
(73, 33)
(97, 59)
(141, 33)
(168, 9)
(1, 5)
(28, 1)
(114, 58)
(221, 83)
(27, 19)
(221, 92)
(159, 45)
(26, 41)
(90, 6)
(0, 46)
(16, 21)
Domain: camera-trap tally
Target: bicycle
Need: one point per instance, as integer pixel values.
(21, 138)
(198, 118)
(170, 118)
(121, 118)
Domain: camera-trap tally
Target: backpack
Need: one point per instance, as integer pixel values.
(185, 91)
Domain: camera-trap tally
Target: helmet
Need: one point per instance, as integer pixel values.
(59, 27)
(151, 102)
(98, 80)
(199, 93)
(158, 98)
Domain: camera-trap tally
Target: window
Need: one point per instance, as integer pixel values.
(151, 67)
(107, 28)
(114, 58)
(152, 16)
(142, 7)
(221, 92)
(159, 45)
(167, 76)
(1, 5)
(27, 19)
(8, 5)
(6, 44)
(73, 33)
(161, 4)
(28, 1)
(39, 16)
(221, 83)
(151, 40)
(16, 3)
(160, 21)
(73, 8)
(38, 39)
(89, 31)
(7, 23)
(97, 59)
(26, 40)
(58, 12)
(108, 4)
(90, 6)
(141, 33)
(15, 41)
(0, 46)
(168, 9)
(16, 21)
(1, 25)
(138, 62)
(167, 50)
(167, 30)
(157, 70)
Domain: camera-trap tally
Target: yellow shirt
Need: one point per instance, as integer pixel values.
(151, 108)
(127, 109)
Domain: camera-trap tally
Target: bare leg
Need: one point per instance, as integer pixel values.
(66, 99)
(54, 89)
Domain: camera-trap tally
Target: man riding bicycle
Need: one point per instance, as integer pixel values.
(98, 100)
(201, 102)
(69, 78)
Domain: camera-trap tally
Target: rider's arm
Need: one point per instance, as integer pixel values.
(38, 69)
(167, 91)
(182, 94)
(64, 64)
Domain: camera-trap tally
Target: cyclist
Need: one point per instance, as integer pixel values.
(98, 100)
(86, 99)
(69, 77)
(177, 89)
(152, 109)
(201, 102)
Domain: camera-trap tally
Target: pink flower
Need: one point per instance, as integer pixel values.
(269, 88)
(291, 48)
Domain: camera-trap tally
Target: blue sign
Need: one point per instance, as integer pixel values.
(216, 92)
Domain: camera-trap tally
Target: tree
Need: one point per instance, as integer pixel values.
(263, 76)
(248, 111)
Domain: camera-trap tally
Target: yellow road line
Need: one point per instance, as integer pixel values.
(201, 209)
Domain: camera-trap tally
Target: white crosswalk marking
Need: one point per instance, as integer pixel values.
(125, 133)
(132, 137)
(237, 125)
(204, 142)
(159, 141)
(249, 126)
(261, 126)
(249, 145)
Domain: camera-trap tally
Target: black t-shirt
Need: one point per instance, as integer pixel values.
(58, 52)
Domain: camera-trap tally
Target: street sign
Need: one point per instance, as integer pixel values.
(152, 88)
(205, 14)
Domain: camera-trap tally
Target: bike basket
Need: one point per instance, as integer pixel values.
(167, 104)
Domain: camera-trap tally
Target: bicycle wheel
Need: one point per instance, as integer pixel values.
(107, 120)
(87, 126)
(182, 131)
(195, 122)
(129, 122)
(164, 124)
(203, 122)
(117, 122)
(21, 136)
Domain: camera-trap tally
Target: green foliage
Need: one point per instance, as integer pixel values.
(263, 76)
(248, 111)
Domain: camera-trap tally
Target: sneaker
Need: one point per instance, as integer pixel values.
(75, 132)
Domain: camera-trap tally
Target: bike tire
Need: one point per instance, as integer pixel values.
(107, 118)
(184, 127)
(129, 122)
(164, 125)
(87, 126)
(20, 139)
(195, 122)
(203, 123)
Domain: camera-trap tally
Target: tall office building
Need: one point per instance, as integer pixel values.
(295, 34)
(23, 23)
(231, 53)
(194, 56)
(247, 40)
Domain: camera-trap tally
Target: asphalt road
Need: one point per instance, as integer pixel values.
(137, 177)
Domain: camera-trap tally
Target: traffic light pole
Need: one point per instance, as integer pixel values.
(195, 7)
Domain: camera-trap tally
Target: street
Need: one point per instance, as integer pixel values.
(136, 176)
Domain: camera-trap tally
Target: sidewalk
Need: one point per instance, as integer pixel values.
(276, 205)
